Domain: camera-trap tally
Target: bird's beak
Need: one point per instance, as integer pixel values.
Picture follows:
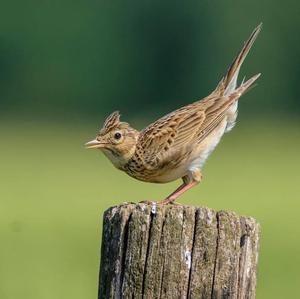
(95, 144)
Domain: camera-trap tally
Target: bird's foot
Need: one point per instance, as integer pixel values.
(163, 202)
(166, 201)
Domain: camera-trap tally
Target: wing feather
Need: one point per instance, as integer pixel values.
(170, 136)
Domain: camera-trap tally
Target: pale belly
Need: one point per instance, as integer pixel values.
(207, 146)
(171, 175)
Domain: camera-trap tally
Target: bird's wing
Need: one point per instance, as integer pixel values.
(168, 136)
(167, 139)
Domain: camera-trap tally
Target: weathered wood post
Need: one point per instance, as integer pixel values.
(177, 251)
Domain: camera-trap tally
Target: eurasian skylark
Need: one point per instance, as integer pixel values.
(178, 144)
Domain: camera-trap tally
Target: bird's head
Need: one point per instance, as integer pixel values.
(116, 139)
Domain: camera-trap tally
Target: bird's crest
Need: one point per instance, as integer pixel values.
(112, 121)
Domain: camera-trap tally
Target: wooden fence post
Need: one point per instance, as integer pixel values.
(177, 251)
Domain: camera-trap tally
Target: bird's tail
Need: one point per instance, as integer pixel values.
(228, 83)
(244, 87)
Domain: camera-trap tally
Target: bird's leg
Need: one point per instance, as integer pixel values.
(189, 181)
(184, 187)
(181, 189)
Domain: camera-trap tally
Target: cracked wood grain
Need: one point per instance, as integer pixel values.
(175, 251)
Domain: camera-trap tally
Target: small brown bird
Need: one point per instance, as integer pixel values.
(178, 144)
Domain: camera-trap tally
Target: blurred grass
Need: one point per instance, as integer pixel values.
(53, 194)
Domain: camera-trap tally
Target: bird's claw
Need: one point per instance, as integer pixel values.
(163, 202)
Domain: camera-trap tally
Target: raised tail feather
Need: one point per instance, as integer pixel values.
(244, 87)
(228, 83)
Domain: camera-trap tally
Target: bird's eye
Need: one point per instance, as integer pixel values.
(117, 136)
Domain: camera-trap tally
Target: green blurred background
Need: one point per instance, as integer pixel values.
(65, 65)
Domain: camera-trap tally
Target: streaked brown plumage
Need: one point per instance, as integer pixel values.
(178, 144)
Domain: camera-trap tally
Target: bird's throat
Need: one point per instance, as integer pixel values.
(118, 159)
